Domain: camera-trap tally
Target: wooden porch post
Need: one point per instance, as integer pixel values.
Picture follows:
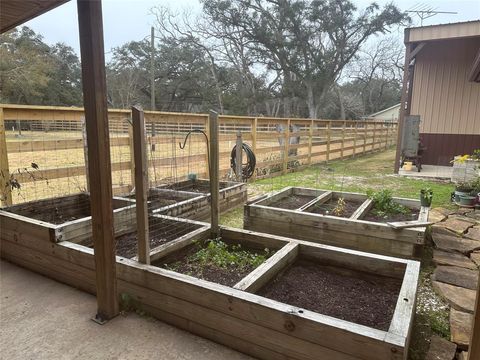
(474, 350)
(214, 171)
(403, 102)
(99, 168)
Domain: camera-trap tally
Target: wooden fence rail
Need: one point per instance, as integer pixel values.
(52, 139)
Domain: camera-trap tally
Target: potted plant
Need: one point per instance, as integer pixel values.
(462, 189)
(426, 195)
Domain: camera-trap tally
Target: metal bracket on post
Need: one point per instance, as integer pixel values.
(214, 175)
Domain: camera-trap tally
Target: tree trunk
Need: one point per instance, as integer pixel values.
(312, 106)
(340, 103)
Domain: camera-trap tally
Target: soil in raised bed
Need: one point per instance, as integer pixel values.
(182, 262)
(292, 202)
(161, 231)
(411, 216)
(364, 299)
(55, 211)
(200, 187)
(327, 208)
(159, 200)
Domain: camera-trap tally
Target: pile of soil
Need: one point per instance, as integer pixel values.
(181, 262)
(411, 216)
(327, 208)
(292, 202)
(364, 299)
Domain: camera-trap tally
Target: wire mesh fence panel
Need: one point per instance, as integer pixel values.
(46, 147)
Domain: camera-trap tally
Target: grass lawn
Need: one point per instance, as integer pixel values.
(374, 172)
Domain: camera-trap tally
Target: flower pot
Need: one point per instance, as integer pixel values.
(467, 200)
(424, 200)
(458, 194)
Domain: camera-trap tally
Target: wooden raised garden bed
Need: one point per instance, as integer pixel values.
(274, 311)
(65, 218)
(309, 214)
(232, 195)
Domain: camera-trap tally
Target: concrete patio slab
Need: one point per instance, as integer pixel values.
(429, 171)
(43, 319)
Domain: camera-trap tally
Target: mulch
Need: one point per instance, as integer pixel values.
(413, 215)
(292, 202)
(364, 299)
(327, 208)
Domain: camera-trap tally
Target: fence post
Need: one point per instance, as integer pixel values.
(85, 152)
(238, 157)
(329, 126)
(287, 147)
(355, 138)
(214, 170)
(365, 127)
(141, 184)
(386, 137)
(132, 153)
(207, 160)
(343, 139)
(254, 141)
(310, 141)
(6, 192)
(374, 133)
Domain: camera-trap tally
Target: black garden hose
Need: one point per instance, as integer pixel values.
(249, 168)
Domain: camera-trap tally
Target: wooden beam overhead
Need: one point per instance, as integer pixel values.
(416, 50)
(14, 12)
(99, 167)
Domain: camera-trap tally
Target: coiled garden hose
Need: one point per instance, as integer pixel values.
(248, 169)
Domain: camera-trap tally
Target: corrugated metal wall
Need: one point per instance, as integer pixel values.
(448, 104)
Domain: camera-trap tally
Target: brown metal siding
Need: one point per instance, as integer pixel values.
(441, 148)
(442, 95)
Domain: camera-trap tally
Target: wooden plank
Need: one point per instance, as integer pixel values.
(408, 224)
(238, 156)
(319, 199)
(254, 143)
(85, 153)
(6, 190)
(343, 139)
(214, 168)
(474, 349)
(141, 185)
(233, 304)
(363, 209)
(166, 249)
(405, 308)
(131, 148)
(269, 269)
(96, 115)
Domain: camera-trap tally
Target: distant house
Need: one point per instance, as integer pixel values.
(442, 85)
(389, 114)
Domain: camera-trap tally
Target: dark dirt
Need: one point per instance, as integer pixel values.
(327, 208)
(162, 231)
(159, 200)
(364, 299)
(413, 215)
(200, 187)
(180, 262)
(292, 202)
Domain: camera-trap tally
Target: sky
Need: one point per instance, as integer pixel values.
(127, 20)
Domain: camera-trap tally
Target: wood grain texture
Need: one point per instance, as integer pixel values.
(96, 118)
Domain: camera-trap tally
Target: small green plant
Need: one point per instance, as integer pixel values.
(426, 196)
(384, 205)
(218, 253)
(340, 208)
(466, 186)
